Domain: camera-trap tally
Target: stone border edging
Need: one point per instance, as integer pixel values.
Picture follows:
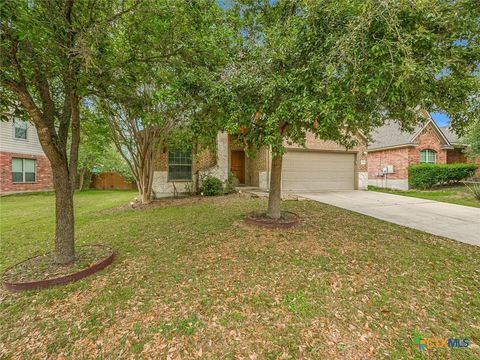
(61, 280)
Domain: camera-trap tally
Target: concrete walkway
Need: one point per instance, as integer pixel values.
(456, 222)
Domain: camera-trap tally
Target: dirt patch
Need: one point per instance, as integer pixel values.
(287, 220)
(178, 201)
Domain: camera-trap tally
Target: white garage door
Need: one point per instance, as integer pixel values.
(318, 171)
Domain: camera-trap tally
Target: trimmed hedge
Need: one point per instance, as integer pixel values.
(212, 186)
(424, 176)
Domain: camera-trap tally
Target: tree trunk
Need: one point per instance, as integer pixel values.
(87, 180)
(275, 194)
(81, 179)
(145, 182)
(64, 231)
(145, 172)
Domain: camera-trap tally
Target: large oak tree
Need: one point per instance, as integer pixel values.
(336, 67)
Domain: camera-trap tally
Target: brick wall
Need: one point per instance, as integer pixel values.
(377, 160)
(456, 156)
(428, 139)
(400, 158)
(204, 159)
(43, 179)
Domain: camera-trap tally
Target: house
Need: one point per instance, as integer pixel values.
(391, 150)
(23, 164)
(321, 165)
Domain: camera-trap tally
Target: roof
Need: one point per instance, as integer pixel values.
(449, 134)
(391, 135)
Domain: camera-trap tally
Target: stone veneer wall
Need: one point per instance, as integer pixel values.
(43, 181)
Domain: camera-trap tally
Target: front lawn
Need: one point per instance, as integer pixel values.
(459, 194)
(191, 281)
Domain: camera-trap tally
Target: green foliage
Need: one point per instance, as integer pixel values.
(112, 161)
(211, 186)
(169, 55)
(97, 152)
(232, 183)
(474, 189)
(337, 67)
(472, 140)
(425, 176)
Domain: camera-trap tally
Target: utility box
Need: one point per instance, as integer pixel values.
(389, 169)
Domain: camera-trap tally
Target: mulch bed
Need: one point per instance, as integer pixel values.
(42, 271)
(287, 220)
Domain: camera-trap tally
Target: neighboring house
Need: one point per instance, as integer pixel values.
(322, 165)
(23, 165)
(392, 150)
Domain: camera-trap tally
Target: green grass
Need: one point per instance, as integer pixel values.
(459, 194)
(191, 281)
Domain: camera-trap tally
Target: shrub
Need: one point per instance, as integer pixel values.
(474, 187)
(232, 183)
(424, 176)
(212, 186)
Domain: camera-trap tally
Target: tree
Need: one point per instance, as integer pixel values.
(93, 145)
(161, 82)
(472, 140)
(47, 51)
(138, 133)
(97, 152)
(335, 68)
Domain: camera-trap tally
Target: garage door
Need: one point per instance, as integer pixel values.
(318, 171)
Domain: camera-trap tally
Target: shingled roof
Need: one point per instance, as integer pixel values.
(449, 134)
(391, 135)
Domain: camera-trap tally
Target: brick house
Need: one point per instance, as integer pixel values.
(320, 165)
(392, 150)
(23, 164)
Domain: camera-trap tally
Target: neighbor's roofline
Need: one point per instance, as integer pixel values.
(435, 126)
(392, 147)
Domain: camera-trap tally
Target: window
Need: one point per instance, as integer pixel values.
(20, 129)
(23, 170)
(179, 164)
(428, 157)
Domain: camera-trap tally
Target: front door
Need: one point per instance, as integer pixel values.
(237, 165)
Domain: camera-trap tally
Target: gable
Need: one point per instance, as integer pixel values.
(390, 135)
(430, 133)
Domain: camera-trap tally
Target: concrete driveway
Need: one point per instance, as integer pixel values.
(456, 222)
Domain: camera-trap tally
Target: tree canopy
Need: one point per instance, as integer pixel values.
(337, 68)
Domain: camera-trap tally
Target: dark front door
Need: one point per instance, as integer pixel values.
(237, 165)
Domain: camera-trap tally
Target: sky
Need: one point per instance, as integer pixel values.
(440, 118)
